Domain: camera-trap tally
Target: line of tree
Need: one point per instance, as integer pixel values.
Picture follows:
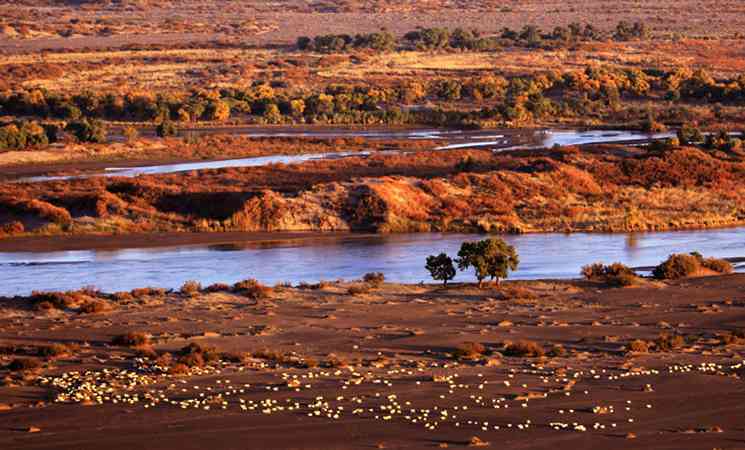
(443, 38)
(489, 258)
(595, 93)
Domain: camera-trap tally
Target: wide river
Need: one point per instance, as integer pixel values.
(400, 257)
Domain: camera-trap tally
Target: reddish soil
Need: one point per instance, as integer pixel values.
(387, 358)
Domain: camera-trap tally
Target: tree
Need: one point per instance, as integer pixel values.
(166, 128)
(88, 131)
(441, 267)
(490, 258)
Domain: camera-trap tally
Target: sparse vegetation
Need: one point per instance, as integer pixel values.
(615, 274)
(685, 265)
(131, 339)
(252, 289)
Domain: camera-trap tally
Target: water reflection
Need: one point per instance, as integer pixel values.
(400, 257)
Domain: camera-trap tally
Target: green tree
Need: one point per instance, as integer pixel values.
(492, 258)
(166, 128)
(441, 267)
(88, 131)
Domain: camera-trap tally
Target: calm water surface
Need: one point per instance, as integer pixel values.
(399, 257)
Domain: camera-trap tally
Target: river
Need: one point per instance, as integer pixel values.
(451, 139)
(400, 257)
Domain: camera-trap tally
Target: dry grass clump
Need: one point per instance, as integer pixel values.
(148, 292)
(131, 339)
(252, 289)
(733, 338)
(374, 279)
(197, 355)
(615, 274)
(218, 287)
(190, 288)
(639, 346)
(359, 289)
(333, 361)
(314, 286)
(469, 351)
(666, 342)
(94, 307)
(274, 356)
(23, 364)
(527, 349)
(56, 300)
(54, 350)
(681, 265)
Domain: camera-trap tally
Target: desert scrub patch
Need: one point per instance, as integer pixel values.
(94, 307)
(252, 289)
(616, 274)
(528, 349)
(190, 288)
(131, 339)
(469, 351)
(24, 364)
(680, 265)
(359, 289)
(374, 279)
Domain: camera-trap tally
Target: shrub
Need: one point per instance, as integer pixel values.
(218, 287)
(666, 342)
(196, 355)
(469, 350)
(252, 289)
(638, 346)
(22, 364)
(374, 279)
(528, 349)
(49, 351)
(14, 227)
(55, 300)
(676, 266)
(615, 274)
(441, 268)
(88, 131)
(358, 289)
(166, 128)
(131, 339)
(717, 265)
(190, 288)
(130, 133)
(93, 307)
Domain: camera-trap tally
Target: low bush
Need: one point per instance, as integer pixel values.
(252, 289)
(23, 364)
(218, 287)
(528, 349)
(358, 289)
(197, 355)
(131, 339)
(374, 279)
(666, 342)
(469, 350)
(190, 288)
(93, 307)
(615, 274)
(681, 265)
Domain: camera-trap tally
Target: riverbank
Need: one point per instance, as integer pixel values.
(545, 364)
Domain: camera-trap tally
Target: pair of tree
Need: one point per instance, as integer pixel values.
(492, 258)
